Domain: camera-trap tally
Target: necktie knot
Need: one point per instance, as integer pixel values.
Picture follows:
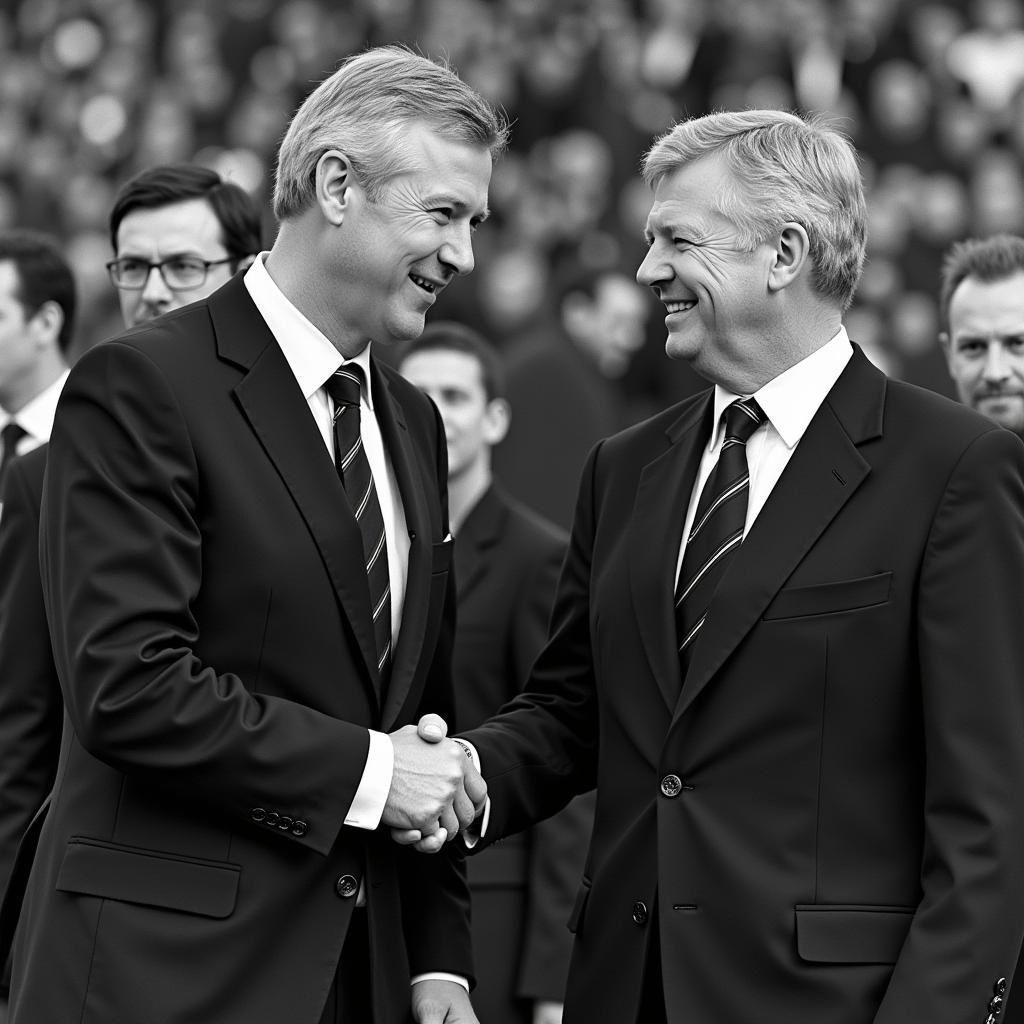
(742, 419)
(345, 384)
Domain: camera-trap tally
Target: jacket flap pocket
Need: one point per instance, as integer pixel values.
(828, 598)
(441, 555)
(579, 908)
(156, 879)
(851, 935)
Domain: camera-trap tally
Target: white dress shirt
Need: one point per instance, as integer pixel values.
(313, 359)
(36, 416)
(789, 403)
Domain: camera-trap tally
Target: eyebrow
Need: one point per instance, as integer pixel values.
(445, 199)
(673, 227)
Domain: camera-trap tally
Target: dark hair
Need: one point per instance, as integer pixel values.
(447, 335)
(987, 259)
(173, 183)
(43, 275)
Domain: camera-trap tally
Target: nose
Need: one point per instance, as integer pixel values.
(995, 364)
(457, 250)
(652, 269)
(155, 290)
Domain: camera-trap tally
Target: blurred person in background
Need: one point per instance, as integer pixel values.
(982, 304)
(37, 312)
(785, 644)
(506, 566)
(566, 388)
(223, 495)
(179, 213)
(178, 232)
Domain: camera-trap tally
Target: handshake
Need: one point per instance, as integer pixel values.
(436, 789)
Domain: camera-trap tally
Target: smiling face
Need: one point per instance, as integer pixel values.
(985, 348)
(185, 228)
(397, 254)
(715, 292)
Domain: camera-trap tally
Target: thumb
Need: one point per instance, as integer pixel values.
(432, 728)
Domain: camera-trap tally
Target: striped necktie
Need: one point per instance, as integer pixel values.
(717, 530)
(11, 434)
(344, 387)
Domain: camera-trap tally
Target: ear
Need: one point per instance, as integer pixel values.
(334, 179)
(48, 320)
(947, 348)
(791, 258)
(497, 418)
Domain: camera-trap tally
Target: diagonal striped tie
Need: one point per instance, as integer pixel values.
(344, 387)
(717, 529)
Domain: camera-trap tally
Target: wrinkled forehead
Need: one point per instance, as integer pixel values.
(988, 307)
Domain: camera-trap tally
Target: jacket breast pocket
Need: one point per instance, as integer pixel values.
(831, 598)
(93, 867)
(834, 934)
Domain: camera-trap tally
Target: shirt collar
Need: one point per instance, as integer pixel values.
(36, 415)
(309, 353)
(792, 398)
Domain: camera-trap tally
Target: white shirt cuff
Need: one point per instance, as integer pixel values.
(478, 829)
(371, 796)
(441, 976)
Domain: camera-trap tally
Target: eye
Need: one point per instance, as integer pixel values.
(443, 214)
(972, 349)
(130, 265)
(683, 243)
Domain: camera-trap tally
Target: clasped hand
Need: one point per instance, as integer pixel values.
(435, 788)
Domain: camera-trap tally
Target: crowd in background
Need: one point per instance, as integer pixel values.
(91, 91)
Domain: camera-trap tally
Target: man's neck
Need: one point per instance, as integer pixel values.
(17, 394)
(465, 491)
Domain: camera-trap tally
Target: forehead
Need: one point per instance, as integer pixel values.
(688, 197)
(988, 307)
(189, 226)
(457, 172)
(443, 368)
(9, 280)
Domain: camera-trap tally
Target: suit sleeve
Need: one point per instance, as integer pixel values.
(122, 548)
(967, 928)
(31, 710)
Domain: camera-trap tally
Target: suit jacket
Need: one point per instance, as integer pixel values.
(31, 707)
(823, 822)
(506, 566)
(212, 631)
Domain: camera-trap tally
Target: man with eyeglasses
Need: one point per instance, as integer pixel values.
(179, 232)
(194, 230)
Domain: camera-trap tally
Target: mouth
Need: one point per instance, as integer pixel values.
(430, 287)
(679, 307)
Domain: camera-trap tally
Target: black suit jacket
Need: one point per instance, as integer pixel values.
(823, 822)
(31, 707)
(204, 580)
(507, 560)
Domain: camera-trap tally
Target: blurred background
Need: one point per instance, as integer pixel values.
(931, 94)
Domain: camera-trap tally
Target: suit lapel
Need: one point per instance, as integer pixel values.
(823, 474)
(398, 444)
(663, 495)
(271, 401)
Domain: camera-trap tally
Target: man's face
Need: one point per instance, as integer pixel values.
(472, 424)
(985, 348)
(714, 291)
(186, 228)
(612, 325)
(19, 341)
(396, 255)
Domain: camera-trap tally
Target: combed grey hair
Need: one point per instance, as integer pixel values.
(363, 110)
(785, 169)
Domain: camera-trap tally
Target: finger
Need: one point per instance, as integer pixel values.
(450, 821)
(432, 728)
(464, 810)
(433, 843)
(476, 788)
(406, 837)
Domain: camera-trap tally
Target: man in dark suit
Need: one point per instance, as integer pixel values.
(506, 565)
(203, 229)
(245, 552)
(808, 747)
(37, 308)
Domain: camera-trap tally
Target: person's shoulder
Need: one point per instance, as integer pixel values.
(933, 419)
(539, 532)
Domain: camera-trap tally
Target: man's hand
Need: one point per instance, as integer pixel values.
(435, 1001)
(434, 789)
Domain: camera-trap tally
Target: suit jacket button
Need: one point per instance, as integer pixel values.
(671, 785)
(995, 1004)
(639, 912)
(257, 814)
(346, 886)
(272, 818)
(300, 828)
(284, 822)
(1000, 987)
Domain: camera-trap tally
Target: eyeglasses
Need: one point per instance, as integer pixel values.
(179, 273)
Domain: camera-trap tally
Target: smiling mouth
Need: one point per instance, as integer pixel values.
(679, 307)
(422, 282)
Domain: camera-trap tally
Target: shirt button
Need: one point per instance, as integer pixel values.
(346, 886)
(639, 912)
(671, 785)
